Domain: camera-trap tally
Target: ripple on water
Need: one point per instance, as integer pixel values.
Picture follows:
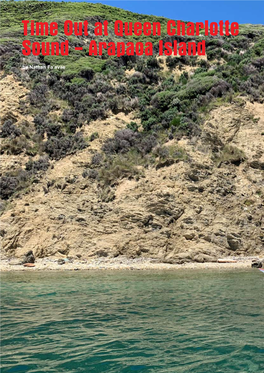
(132, 322)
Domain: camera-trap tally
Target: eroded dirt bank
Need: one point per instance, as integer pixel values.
(198, 209)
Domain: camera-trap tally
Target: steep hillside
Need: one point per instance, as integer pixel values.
(154, 157)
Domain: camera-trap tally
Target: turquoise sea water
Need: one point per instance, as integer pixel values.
(185, 321)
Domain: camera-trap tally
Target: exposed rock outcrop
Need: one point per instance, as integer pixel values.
(197, 210)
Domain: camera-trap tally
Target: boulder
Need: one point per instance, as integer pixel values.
(234, 241)
(203, 258)
(256, 264)
(101, 253)
(29, 257)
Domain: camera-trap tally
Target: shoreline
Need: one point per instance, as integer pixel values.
(51, 264)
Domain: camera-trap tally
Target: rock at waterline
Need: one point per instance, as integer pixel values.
(28, 258)
(256, 264)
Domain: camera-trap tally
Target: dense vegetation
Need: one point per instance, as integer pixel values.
(168, 105)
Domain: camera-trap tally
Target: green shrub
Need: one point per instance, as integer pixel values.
(162, 100)
(197, 86)
(133, 126)
(176, 122)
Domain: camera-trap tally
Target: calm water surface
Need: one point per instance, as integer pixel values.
(185, 321)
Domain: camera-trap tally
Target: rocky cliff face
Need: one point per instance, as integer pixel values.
(200, 208)
(143, 156)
